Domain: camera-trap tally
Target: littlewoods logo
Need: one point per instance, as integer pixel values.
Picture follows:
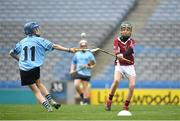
(168, 98)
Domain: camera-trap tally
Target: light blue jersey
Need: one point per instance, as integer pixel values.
(32, 51)
(81, 59)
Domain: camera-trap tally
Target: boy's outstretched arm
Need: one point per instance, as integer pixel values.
(61, 48)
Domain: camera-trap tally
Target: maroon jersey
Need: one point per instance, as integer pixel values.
(121, 47)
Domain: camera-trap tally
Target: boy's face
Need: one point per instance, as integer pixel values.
(83, 46)
(126, 31)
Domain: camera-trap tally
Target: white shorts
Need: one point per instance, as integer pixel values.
(126, 70)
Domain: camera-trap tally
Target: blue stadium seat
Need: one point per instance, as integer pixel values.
(63, 23)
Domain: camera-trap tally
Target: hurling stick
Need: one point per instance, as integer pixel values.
(104, 51)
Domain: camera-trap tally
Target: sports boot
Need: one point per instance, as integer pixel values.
(108, 105)
(55, 104)
(49, 109)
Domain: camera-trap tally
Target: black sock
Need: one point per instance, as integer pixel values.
(86, 100)
(81, 96)
(110, 97)
(127, 103)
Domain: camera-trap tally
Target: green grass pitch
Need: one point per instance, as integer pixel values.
(89, 112)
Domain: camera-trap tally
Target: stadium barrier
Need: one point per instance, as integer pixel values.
(140, 97)
(146, 92)
(11, 92)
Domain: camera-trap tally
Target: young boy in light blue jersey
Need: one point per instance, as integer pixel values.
(82, 63)
(30, 52)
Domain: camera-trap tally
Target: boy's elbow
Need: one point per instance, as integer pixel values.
(55, 46)
(10, 52)
(93, 65)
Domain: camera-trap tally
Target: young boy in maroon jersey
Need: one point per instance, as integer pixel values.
(123, 47)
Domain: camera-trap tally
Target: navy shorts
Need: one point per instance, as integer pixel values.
(82, 77)
(30, 77)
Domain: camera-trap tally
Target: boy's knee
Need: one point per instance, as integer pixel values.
(116, 81)
(131, 87)
(38, 85)
(76, 85)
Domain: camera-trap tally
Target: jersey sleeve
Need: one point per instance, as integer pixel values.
(132, 44)
(116, 47)
(74, 60)
(48, 45)
(92, 57)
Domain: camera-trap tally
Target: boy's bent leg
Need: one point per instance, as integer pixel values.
(117, 78)
(130, 92)
(108, 105)
(77, 83)
(41, 87)
(86, 91)
(110, 97)
(40, 98)
(47, 95)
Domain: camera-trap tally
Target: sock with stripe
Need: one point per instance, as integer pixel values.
(47, 106)
(110, 97)
(50, 99)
